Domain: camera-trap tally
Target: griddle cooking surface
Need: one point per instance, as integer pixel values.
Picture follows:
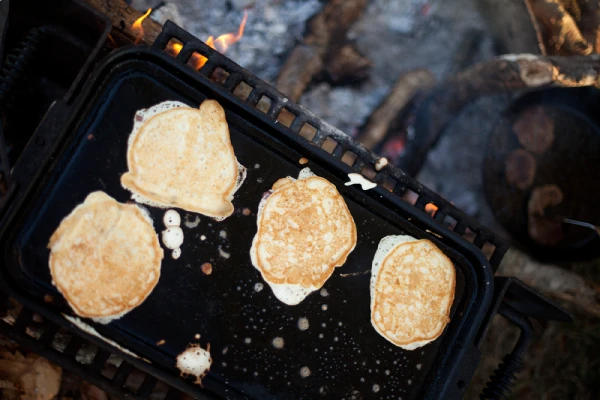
(346, 357)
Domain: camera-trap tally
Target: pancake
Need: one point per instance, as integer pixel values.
(105, 258)
(305, 231)
(412, 289)
(182, 157)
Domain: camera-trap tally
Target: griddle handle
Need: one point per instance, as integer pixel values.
(6, 182)
(504, 377)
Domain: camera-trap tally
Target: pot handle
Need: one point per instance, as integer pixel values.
(503, 377)
(518, 303)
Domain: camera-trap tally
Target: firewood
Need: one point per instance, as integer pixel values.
(562, 35)
(347, 65)
(573, 290)
(502, 75)
(403, 91)
(512, 25)
(324, 29)
(123, 16)
(590, 23)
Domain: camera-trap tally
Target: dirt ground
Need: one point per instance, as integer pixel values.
(562, 363)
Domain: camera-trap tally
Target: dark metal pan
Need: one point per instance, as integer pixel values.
(345, 354)
(571, 162)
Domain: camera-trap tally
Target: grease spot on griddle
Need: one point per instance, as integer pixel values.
(191, 223)
(223, 253)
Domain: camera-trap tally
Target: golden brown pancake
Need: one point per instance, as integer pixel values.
(105, 257)
(305, 230)
(412, 289)
(183, 158)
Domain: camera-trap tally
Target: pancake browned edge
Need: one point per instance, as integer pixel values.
(305, 230)
(105, 257)
(182, 157)
(412, 290)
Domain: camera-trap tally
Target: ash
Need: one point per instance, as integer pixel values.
(398, 36)
(454, 166)
(272, 29)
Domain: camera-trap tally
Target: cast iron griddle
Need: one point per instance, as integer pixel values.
(346, 356)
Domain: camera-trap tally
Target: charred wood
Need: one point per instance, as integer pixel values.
(401, 94)
(324, 31)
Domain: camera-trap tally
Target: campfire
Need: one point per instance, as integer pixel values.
(221, 43)
(485, 124)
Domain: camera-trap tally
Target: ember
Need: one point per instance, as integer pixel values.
(431, 209)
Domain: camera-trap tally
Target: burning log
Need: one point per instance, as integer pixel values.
(403, 91)
(324, 31)
(506, 74)
(124, 17)
(130, 25)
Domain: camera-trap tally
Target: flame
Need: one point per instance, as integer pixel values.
(137, 26)
(112, 41)
(177, 47)
(431, 209)
(221, 44)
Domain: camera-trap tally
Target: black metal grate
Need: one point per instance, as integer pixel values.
(276, 106)
(97, 363)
